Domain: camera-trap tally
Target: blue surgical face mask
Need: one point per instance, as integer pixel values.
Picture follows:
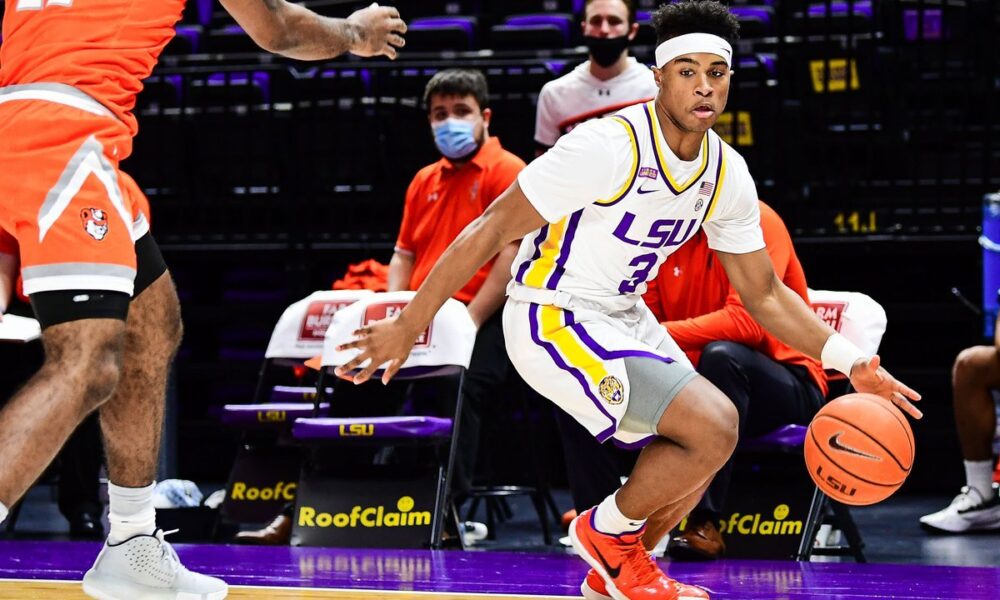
(455, 138)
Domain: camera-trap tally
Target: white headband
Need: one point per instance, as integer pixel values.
(693, 43)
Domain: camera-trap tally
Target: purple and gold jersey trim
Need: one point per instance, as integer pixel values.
(654, 130)
(552, 248)
(549, 330)
(720, 175)
(634, 171)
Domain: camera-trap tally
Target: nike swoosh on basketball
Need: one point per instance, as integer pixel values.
(613, 572)
(642, 191)
(836, 445)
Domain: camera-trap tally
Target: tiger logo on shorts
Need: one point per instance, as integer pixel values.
(611, 390)
(95, 222)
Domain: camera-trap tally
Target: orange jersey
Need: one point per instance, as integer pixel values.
(693, 297)
(443, 199)
(104, 48)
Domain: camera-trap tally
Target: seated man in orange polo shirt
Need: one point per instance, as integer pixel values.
(442, 199)
(770, 383)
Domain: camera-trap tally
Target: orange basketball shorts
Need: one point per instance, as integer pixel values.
(74, 215)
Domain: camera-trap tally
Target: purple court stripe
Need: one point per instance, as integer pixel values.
(638, 164)
(556, 358)
(604, 353)
(718, 186)
(659, 162)
(542, 233)
(574, 221)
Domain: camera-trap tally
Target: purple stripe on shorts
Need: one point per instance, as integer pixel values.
(634, 445)
(536, 337)
(542, 234)
(605, 354)
(574, 221)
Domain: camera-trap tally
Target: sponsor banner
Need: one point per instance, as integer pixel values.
(382, 510)
(262, 481)
(765, 513)
(835, 75)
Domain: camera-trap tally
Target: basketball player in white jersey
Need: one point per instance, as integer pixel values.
(606, 82)
(598, 214)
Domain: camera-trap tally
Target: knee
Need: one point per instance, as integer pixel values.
(970, 364)
(94, 372)
(721, 422)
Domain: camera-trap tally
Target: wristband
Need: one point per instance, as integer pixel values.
(840, 354)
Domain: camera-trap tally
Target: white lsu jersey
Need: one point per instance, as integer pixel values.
(618, 202)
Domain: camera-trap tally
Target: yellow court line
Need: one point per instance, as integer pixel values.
(40, 589)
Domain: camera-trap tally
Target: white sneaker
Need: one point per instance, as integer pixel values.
(969, 511)
(145, 567)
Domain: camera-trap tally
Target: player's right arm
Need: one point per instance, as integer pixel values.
(510, 217)
(297, 32)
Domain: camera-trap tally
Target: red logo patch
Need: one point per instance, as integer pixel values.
(384, 310)
(830, 312)
(319, 315)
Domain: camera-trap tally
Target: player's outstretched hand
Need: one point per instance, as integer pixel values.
(867, 376)
(379, 31)
(385, 341)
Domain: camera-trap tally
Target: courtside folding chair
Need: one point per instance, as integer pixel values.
(328, 504)
(266, 457)
(863, 321)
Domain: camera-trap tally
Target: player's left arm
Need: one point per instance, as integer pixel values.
(786, 315)
(297, 32)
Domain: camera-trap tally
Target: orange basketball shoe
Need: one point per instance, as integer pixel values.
(593, 588)
(627, 571)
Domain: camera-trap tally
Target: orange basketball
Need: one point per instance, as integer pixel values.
(859, 449)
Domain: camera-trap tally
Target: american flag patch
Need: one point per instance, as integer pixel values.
(706, 188)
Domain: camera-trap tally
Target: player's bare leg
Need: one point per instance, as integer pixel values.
(132, 419)
(81, 371)
(699, 433)
(977, 506)
(976, 372)
(662, 521)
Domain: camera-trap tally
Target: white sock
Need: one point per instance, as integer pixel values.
(131, 512)
(979, 475)
(608, 518)
(3, 512)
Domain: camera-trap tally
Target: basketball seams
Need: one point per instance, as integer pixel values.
(900, 419)
(872, 438)
(819, 447)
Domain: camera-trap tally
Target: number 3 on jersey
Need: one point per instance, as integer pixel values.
(40, 4)
(644, 264)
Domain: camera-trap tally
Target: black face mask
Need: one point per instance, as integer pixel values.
(605, 51)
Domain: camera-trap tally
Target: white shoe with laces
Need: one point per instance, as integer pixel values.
(146, 567)
(969, 511)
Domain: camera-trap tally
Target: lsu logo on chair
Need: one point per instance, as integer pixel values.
(385, 310)
(318, 317)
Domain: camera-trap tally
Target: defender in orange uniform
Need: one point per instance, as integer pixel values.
(70, 71)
